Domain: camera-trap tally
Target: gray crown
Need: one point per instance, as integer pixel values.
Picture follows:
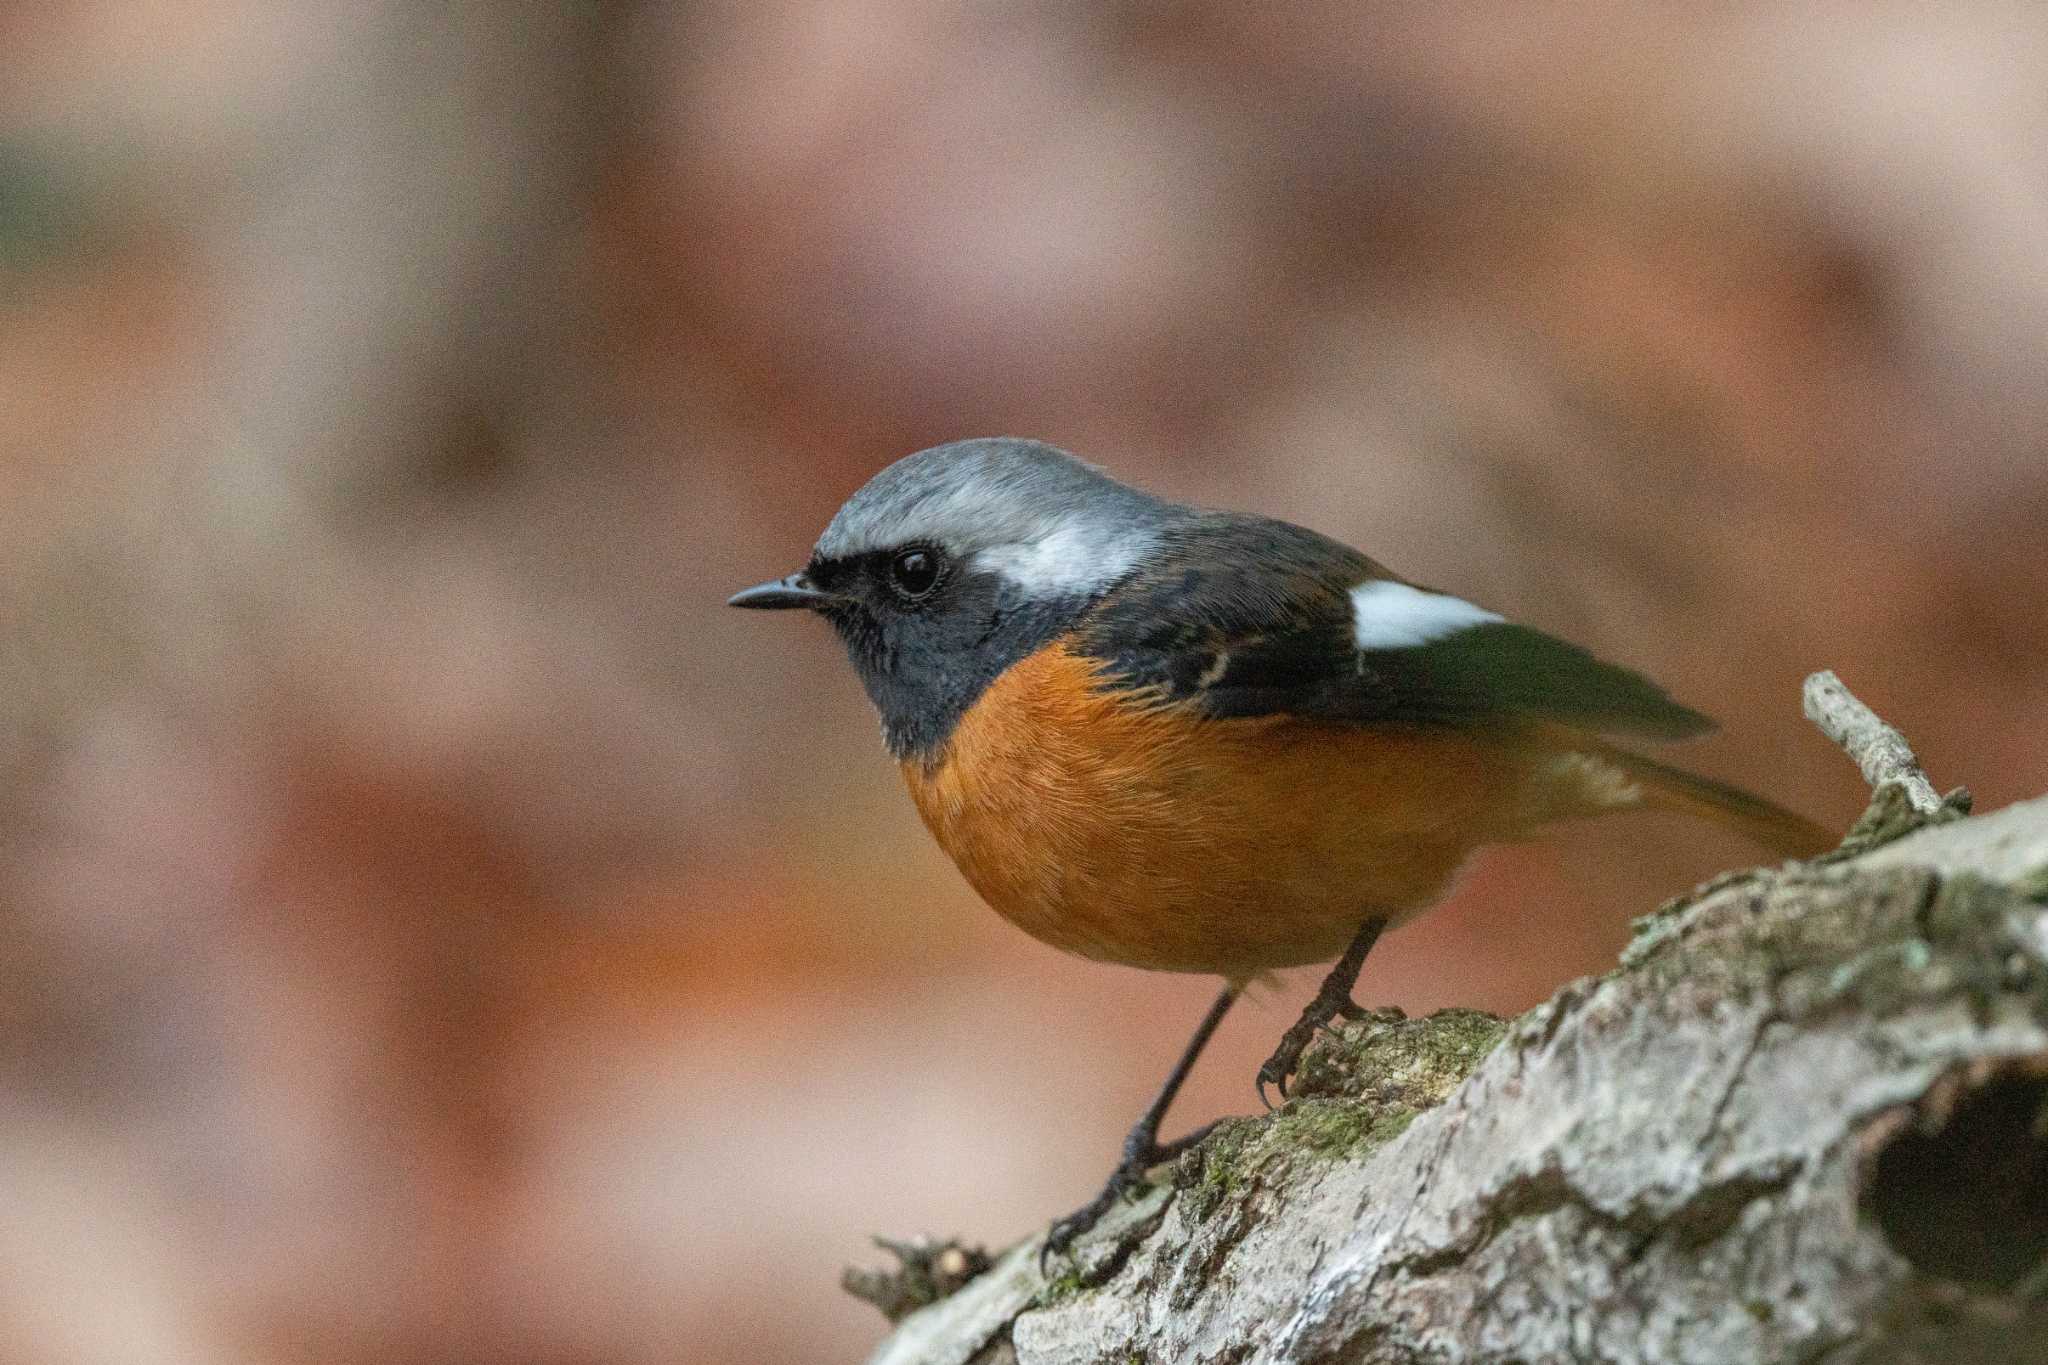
(1018, 507)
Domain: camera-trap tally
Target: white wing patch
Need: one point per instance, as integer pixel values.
(1390, 615)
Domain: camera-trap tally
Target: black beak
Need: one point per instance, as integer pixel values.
(784, 594)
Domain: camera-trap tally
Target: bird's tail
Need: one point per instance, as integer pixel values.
(1766, 823)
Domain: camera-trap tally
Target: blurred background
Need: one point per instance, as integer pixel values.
(438, 931)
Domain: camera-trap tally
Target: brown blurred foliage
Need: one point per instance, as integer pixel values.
(438, 931)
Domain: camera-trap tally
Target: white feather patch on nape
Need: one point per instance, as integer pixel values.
(1070, 559)
(1390, 615)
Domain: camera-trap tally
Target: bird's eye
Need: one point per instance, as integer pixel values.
(914, 573)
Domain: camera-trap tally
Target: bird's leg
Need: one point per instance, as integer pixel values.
(1331, 1000)
(1142, 1148)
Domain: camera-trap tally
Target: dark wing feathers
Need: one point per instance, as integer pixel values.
(1248, 617)
(1505, 669)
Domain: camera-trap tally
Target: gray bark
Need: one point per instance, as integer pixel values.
(1804, 1119)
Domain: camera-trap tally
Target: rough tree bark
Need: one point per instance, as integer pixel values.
(1804, 1119)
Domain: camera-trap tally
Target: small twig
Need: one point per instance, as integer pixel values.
(1879, 750)
(927, 1271)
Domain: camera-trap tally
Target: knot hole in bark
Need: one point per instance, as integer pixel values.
(1958, 1183)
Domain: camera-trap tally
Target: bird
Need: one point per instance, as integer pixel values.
(1203, 741)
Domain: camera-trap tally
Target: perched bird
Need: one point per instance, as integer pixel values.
(1205, 741)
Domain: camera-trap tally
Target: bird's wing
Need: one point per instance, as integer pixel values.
(1242, 616)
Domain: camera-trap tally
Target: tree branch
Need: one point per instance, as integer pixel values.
(1875, 747)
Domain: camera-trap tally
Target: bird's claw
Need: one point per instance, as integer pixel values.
(1280, 1067)
(1062, 1234)
(1269, 1075)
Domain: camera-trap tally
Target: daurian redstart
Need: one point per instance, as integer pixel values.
(1203, 741)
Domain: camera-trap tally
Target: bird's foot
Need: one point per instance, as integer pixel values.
(1087, 1216)
(1332, 999)
(1142, 1152)
(1279, 1068)
(1319, 1014)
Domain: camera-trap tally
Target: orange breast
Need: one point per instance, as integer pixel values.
(1150, 836)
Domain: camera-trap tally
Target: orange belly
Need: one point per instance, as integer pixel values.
(1148, 836)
